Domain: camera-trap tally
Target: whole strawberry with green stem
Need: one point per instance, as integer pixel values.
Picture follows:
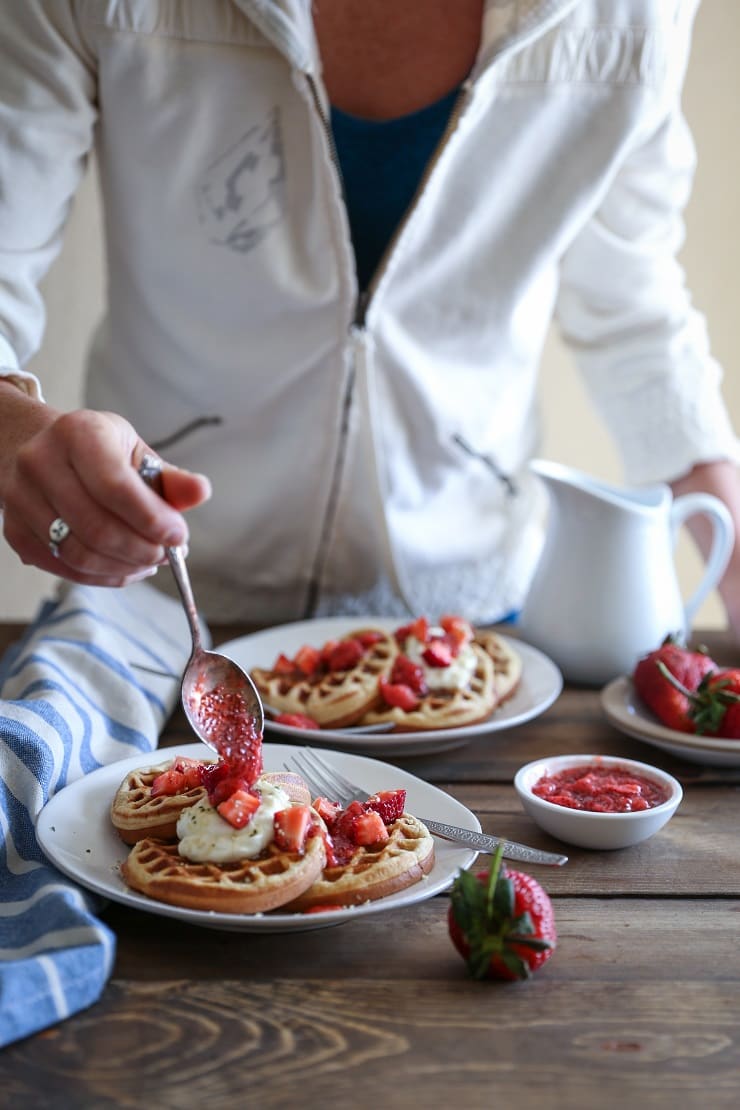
(714, 707)
(668, 701)
(501, 921)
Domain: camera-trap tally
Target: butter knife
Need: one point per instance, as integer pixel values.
(488, 844)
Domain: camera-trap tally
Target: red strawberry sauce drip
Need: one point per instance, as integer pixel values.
(226, 721)
(600, 789)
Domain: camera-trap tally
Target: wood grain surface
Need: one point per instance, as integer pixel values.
(639, 1005)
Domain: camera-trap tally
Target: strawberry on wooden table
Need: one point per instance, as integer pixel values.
(669, 702)
(501, 921)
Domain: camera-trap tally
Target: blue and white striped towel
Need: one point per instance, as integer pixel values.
(70, 703)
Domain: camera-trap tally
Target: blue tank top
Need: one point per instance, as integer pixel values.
(382, 163)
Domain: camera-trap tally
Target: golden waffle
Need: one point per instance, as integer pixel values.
(334, 699)
(374, 871)
(136, 814)
(155, 868)
(507, 663)
(446, 708)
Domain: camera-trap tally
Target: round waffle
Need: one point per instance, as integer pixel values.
(156, 869)
(334, 699)
(374, 871)
(136, 814)
(446, 708)
(507, 663)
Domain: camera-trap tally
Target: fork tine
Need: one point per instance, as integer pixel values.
(317, 778)
(338, 780)
(293, 766)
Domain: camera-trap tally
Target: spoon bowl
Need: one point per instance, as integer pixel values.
(217, 695)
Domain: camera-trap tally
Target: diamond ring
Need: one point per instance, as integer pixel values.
(58, 531)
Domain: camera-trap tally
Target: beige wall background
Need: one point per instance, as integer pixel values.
(74, 296)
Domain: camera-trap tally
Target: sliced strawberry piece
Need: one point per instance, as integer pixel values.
(437, 654)
(307, 659)
(345, 655)
(369, 637)
(390, 804)
(369, 828)
(239, 808)
(398, 695)
(169, 782)
(459, 630)
(292, 828)
(408, 673)
(419, 629)
(225, 787)
(296, 720)
(327, 811)
(283, 665)
(326, 651)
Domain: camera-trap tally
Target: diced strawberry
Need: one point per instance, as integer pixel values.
(327, 811)
(369, 637)
(345, 655)
(369, 828)
(307, 659)
(169, 782)
(458, 629)
(239, 808)
(389, 804)
(419, 629)
(326, 651)
(398, 695)
(190, 769)
(437, 654)
(291, 828)
(324, 908)
(407, 673)
(223, 789)
(283, 665)
(296, 720)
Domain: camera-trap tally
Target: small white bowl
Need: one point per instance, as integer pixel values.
(589, 829)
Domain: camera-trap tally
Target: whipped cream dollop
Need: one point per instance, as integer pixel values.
(205, 837)
(456, 676)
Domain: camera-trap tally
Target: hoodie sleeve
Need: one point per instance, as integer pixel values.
(624, 308)
(47, 119)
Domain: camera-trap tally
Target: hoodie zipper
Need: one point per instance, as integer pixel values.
(362, 303)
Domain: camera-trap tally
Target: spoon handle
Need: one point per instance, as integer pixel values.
(150, 469)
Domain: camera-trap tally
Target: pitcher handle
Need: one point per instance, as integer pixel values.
(723, 541)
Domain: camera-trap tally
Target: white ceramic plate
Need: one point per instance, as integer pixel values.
(540, 685)
(627, 712)
(75, 832)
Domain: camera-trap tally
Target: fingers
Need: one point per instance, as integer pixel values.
(34, 553)
(83, 468)
(104, 453)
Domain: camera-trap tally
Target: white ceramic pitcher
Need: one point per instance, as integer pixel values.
(605, 590)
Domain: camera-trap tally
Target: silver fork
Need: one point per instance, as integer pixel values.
(323, 779)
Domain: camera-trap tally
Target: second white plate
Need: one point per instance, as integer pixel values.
(540, 685)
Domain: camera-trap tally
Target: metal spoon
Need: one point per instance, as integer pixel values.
(206, 671)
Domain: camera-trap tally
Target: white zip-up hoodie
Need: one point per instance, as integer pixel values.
(364, 456)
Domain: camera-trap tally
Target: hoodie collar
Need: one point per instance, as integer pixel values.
(288, 25)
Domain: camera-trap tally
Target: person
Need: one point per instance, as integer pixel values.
(336, 236)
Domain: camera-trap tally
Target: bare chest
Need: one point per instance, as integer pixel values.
(381, 59)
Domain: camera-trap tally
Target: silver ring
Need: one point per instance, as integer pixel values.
(58, 531)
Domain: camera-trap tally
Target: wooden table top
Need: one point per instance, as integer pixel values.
(641, 1000)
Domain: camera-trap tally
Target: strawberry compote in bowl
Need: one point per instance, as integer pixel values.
(597, 801)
